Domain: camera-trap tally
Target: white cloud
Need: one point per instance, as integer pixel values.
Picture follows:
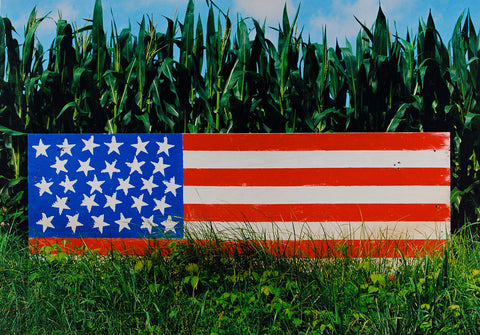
(269, 12)
(67, 11)
(340, 21)
(272, 10)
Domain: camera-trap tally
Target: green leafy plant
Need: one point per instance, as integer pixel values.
(224, 76)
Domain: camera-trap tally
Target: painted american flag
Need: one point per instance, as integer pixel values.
(381, 194)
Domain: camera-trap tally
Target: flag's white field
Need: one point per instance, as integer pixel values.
(320, 159)
(374, 230)
(316, 194)
(315, 187)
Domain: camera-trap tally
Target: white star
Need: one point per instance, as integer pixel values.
(110, 168)
(59, 165)
(88, 202)
(89, 145)
(124, 184)
(148, 185)
(95, 184)
(140, 146)
(164, 146)
(65, 147)
(73, 222)
(112, 201)
(41, 149)
(46, 222)
(171, 186)
(161, 205)
(68, 184)
(138, 203)
(113, 146)
(135, 165)
(169, 224)
(123, 223)
(99, 223)
(148, 224)
(44, 186)
(61, 204)
(85, 167)
(159, 166)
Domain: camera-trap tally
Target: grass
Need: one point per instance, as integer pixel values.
(198, 290)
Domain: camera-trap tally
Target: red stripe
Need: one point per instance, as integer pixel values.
(304, 248)
(317, 212)
(126, 246)
(322, 141)
(316, 177)
(355, 248)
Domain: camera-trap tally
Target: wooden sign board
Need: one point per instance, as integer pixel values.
(315, 195)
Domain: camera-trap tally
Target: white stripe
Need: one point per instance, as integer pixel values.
(317, 195)
(315, 159)
(319, 230)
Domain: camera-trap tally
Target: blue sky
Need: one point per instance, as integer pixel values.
(336, 15)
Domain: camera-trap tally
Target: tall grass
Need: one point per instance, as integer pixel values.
(201, 290)
(214, 76)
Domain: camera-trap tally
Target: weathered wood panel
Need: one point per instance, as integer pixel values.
(381, 194)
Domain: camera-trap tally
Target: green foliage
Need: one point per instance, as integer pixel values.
(199, 290)
(221, 77)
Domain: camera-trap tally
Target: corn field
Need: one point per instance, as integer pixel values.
(221, 77)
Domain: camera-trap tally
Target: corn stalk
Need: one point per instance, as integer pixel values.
(225, 76)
